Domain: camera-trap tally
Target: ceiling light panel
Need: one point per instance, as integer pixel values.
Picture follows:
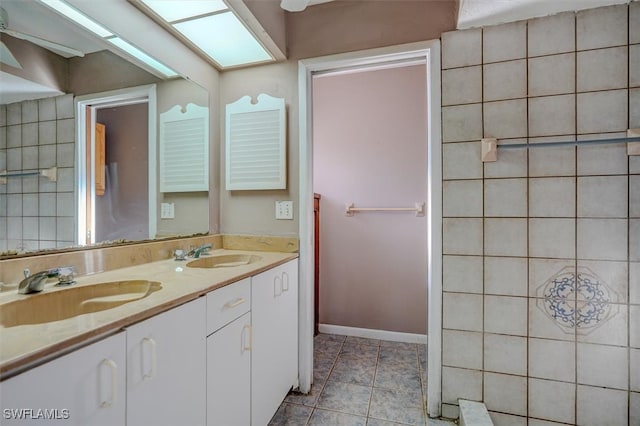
(225, 39)
(71, 13)
(141, 56)
(176, 10)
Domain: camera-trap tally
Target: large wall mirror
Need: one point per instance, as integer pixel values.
(43, 96)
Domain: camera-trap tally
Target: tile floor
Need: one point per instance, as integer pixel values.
(360, 382)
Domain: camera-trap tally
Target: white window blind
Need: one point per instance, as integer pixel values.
(184, 149)
(256, 144)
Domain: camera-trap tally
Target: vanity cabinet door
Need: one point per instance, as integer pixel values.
(166, 365)
(83, 388)
(229, 374)
(274, 358)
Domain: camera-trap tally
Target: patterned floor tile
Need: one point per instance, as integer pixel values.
(398, 345)
(331, 418)
(329, 338)
(397, 405)
(345, 397)
(359, 351)
(398, 356)
(327, 348)
(322, 367)
(397, 376)
(356, 371)
(291, 415)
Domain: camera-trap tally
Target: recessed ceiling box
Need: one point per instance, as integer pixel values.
(255, 144)
(184, 149)
(633, 148)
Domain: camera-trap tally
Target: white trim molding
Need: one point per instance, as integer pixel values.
(393, 336)
(425, 52)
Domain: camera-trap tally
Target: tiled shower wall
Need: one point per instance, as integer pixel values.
(541, 303)
(34, 211)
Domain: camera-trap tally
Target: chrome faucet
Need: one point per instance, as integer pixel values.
(196, 252)
(35, 283)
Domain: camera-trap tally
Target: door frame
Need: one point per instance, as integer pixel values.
(429, 52)
(91, 103)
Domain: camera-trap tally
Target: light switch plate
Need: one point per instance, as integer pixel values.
(284, 210)
(167, 210)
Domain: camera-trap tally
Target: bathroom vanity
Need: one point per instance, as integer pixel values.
(216, 344)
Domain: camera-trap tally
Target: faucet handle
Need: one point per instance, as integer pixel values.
(26, 272)
(65, 275)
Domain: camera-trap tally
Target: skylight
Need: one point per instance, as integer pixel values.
(102, 32)
(213, 28)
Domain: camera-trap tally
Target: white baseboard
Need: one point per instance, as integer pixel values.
(394, 336)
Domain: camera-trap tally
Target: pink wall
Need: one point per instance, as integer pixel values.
(123, 210)
(370, 149)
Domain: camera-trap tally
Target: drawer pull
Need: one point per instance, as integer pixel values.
(247, 346)
(114, 383)
(237, 302)
(152, 371)
(277, 286)
(285, 280)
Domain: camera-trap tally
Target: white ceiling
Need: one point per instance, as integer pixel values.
(479, 13)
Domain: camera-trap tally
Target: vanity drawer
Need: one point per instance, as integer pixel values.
(228, 303)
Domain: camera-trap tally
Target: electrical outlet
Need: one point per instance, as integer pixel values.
(167, 210)
(284, 209)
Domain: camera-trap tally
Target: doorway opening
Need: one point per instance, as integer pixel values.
(429, 53)
(116, 181)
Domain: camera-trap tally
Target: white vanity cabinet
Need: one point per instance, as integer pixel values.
(166, 361)
(274, 355)
(229, 355)
(84, 387)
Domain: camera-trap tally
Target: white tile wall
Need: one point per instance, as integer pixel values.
(462, 85)
(552, 75)
(552, 359)
(461, 48)
(462, 349)
(552, 34)
(462, 311)
(504, 42)
(551, 400)
(552, 115)
(599, 406)
(505, 237)
(599, 112)
(514, 226)
(505, 119)
(504, 80)
(32, 136)
(462, 198)
(505, 354)
(461, 383)
(505, 276)
(462, 123)
(602, 69)
(505, 315)
(506, 393)
(600, 365)
(462, 274)
(552, 197)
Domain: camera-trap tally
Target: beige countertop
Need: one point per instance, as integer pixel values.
(24, 346)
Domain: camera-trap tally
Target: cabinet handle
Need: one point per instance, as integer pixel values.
(246, 328)
(152, 371)
(285, 287)
(277, 286)
(114, 382)
(229, 305)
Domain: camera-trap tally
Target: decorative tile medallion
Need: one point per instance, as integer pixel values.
(577, 301)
